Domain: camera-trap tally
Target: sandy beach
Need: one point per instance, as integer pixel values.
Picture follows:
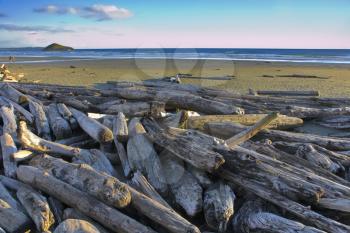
(239, 76)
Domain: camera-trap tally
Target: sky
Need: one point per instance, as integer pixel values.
(176, 24)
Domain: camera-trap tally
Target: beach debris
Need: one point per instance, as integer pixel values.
(161, 156)
(7, 76)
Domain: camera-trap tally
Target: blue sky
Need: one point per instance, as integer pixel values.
(176, 24)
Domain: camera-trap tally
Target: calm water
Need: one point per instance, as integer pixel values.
(282, 55)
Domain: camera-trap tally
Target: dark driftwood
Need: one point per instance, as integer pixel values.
(107, 216)
(92, 127)
(37, 207)
(57, 209)
(8, 148)
(255, 216)
(41, 122)
(218, 206)
(143, 157)
(7, 197)
(183, 146)
(85, 178)
(224, 130)
(60, 127)
(309, 216)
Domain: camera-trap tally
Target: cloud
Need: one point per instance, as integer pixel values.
(106, 12)
(99, 12)
(2, 15)
(23, 28)
(53, 9)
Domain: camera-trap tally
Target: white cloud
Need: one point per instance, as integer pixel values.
(106, 12)
(99, 12)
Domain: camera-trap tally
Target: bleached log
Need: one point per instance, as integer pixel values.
(136, 109)
(250, 131)
(8, 148)
(255, 216)
(9, 120)
(41, 122)
(342, 205)
(76, 226)
(85, 178)
(143, 157)
(11, 183)
(183, 146)
(22, 155)
(7, 197)
(224, 130)
(218, 206)
(120, 128)
(11, 93)
(60, 127)
(185, 188)
(305, 112)
(27, 115)
(141, 184)
(336, 122)
(107, 216)
(200, 175)
(37, 207)
(176, 120)
(66, 114)
(92, 127)
(281, 122)
(94, 157)
(304, 213)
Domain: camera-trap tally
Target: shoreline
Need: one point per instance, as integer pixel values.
(332, 80)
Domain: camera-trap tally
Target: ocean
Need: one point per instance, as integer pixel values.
(328, 56)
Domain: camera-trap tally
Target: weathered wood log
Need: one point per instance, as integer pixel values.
(27, 115)
(250, 131)
(120, 128)
(59, 126)
(92, 127)
(8, 148)
(93, 157)
(57, 209)
(137, 109)
(255, 216)
(84, 106)
(22, 155)
(11, 93)
(74, 139)
(143, 157)
(107, 216)
(335, 204)
(11, 183)
(9, 120)
(13, 220)
(183, 146)
(176, 120)
(288, 93)
(37, 207)
(184, 187)
(41, 122)
(224, 130)
(70, 213)
(309, 216)
(335, 122)
(7, 197)
(76, 226)
(85, 178)
(141, 184)
(304, 112)
(66, 114)
(200, 175)
(309, 153)
(218, 206)
(281, 122)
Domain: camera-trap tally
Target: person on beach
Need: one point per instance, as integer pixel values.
(12, 59)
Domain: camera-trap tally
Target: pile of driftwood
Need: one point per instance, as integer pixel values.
(160, 156)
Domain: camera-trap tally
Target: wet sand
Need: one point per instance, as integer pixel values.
(239, 76)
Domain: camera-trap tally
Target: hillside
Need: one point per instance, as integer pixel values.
(57, 47)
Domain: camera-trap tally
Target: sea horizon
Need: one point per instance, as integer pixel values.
(327, 56)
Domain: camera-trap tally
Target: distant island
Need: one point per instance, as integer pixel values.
(57, 47)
